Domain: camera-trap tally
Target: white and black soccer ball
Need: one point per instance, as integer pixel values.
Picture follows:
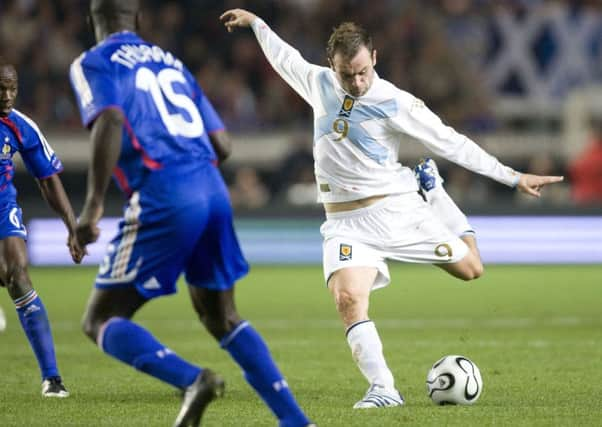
(454, 380)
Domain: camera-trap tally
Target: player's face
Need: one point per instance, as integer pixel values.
(8, 89)
(356, 74)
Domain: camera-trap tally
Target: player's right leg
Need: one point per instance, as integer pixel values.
(30, 309)
(352, 269)
(350, 288)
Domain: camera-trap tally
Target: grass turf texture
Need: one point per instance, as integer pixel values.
(535, 333)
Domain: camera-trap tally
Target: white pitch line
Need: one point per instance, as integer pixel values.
(564, 346)
(382, 323)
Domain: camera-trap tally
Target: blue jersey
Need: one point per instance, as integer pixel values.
(18, 133)
(168, 117)
(178, 218)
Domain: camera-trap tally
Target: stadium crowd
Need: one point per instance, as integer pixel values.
(477, 43)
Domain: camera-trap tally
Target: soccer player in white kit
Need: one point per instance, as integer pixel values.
(376, 208)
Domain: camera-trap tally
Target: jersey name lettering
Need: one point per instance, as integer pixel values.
(130, 55)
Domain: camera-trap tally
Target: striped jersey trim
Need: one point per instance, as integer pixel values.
(48, 151)
(130, 233)
(81, 84)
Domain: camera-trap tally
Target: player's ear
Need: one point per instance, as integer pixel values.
(330, 64)
(17, 86)
(373, 57)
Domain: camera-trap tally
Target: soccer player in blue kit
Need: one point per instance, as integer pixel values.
(19, 134)
(153, 128)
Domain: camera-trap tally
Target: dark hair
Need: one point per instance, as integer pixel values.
(5, 63)
(347, 39)
(113, 8)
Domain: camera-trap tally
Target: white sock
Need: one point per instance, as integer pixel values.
(447, 211)
(367, 352)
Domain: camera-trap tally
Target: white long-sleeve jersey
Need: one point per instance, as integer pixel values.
(357, 140)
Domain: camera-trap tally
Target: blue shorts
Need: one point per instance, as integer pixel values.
(11, 222)
(173, 226)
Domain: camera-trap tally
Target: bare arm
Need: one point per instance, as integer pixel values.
(54, 193)
(106, 146)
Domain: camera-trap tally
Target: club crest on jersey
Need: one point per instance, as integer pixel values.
(56, 162)
(6, 151)
(347, 106)
(345, 252)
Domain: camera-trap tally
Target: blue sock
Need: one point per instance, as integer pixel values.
(249, 350)
(34, 320)
(134, 345)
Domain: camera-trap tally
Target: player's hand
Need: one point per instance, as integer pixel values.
(237, 18)
(532, 184)
(86, 230)
(86, 233)
(76, 250)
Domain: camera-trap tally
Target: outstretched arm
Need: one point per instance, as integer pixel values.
(416, 120)
(106, 146)
(54, 193)
(285, 59)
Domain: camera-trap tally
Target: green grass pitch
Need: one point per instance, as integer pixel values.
(534, 331)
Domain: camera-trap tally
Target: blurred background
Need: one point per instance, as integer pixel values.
(523, 78)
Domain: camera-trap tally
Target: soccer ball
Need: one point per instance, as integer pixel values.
(454, 380)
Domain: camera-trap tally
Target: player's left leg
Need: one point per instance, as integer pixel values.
(31, 311)
(468, 268)
(217, 311)
(446, 210)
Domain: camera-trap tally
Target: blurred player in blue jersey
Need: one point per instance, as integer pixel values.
(19, 134)
(153, 128)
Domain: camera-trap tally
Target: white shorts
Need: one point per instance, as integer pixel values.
(400, 227)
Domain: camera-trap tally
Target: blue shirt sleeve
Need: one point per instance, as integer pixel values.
(39, 158)
(94, 85)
